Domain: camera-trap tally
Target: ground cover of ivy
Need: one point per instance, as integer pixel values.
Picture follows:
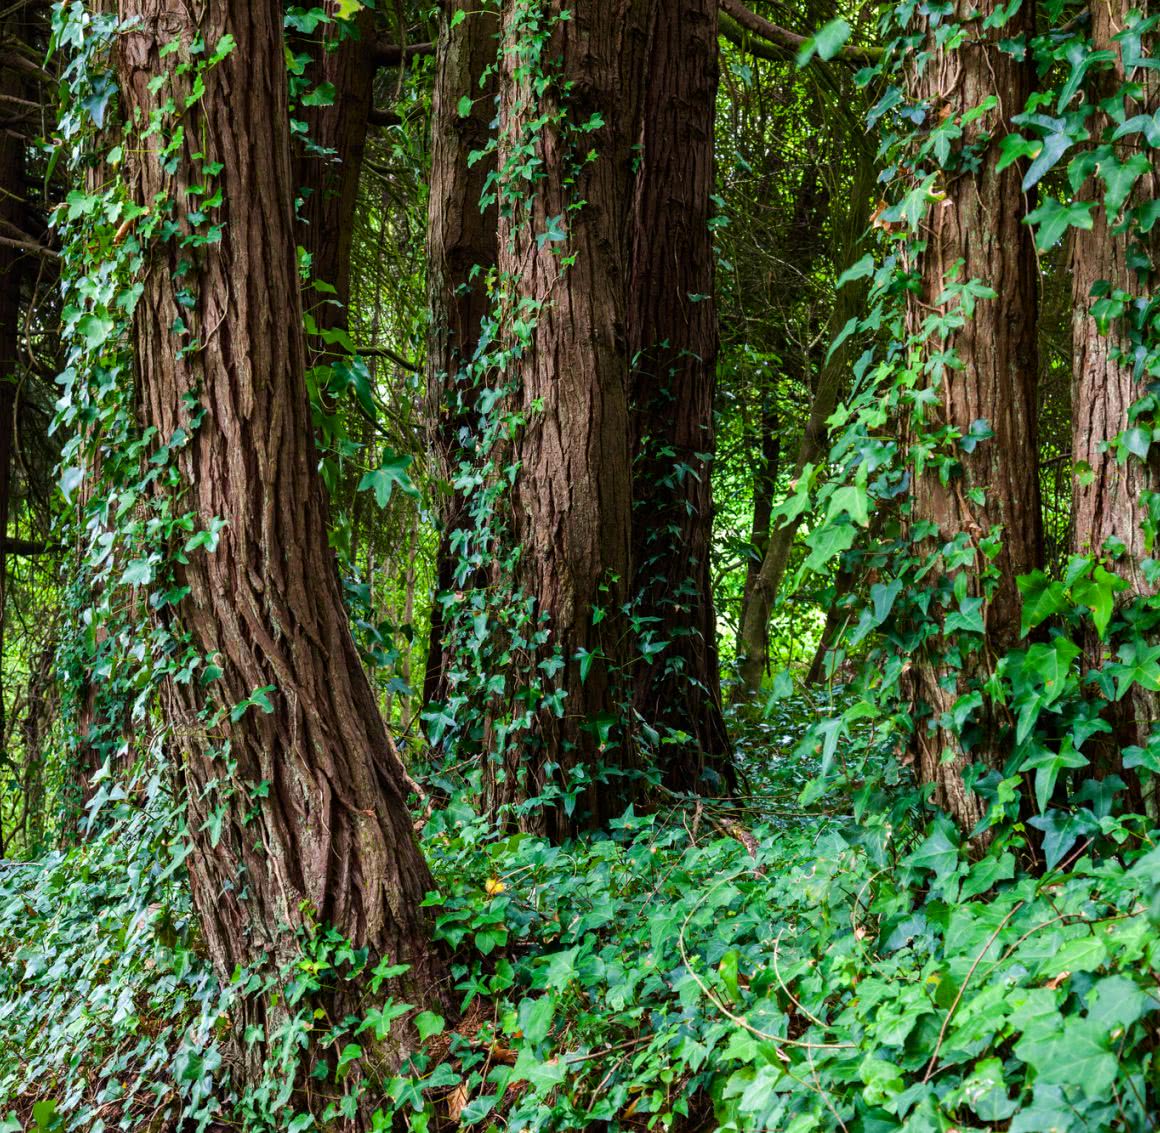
(840, 964)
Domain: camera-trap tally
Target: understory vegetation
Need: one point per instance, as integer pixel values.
(579, 564)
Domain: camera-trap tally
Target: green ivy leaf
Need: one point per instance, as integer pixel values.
(825, 43)
(427, 1023)
(1052, 220)
(1042, 598)
(391, 474)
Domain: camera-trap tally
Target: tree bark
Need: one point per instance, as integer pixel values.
(307, 823)
(980, 225)
(461, 250)
(672, 337)
(571, 500)
(328, 181)
(1106, 494)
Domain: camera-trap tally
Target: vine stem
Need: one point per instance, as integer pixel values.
(958, 998)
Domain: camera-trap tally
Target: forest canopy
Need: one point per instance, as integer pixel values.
(579, 564)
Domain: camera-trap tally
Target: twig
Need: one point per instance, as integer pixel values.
(958, 998)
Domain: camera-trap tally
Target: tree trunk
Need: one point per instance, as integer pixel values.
(12, 195)
(328, 181)
(327, 840)
(571, 500)
(764, 487)
(461, 249)
(1107, 496)
(753, 634)
(672, 337)
(979, 225)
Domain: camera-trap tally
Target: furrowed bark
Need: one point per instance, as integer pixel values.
(571, 501)
(980, 224)
(1107, 494)
(310, 822)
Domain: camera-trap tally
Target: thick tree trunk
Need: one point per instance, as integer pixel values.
(571, 501)
(461, 249)
(1107, 501)
(328, 839)
(978, 231)
(672, 337)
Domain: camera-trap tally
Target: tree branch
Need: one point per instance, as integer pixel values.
(392, 54)
(387, 352)
(739, 20)
(377, 117)
(26, 547)
(30, 247)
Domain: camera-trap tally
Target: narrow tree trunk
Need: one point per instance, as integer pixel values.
(764, 486)
(979, 226)
(328, 839)
(1107, 496)
(571, 503)
(327, 167)
(461, 249)
(672, 338)
(753, 634)
(12, 194)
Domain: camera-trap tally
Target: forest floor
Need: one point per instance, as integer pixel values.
(795, 961)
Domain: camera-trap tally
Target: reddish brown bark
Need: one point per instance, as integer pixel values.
(327, 839)
(461, 248)
(1106, 494)
(980, 225)
(672, 337)
(571, 511)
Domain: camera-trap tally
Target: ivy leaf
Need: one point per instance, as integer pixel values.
(883, 595)
(1137, 441)
(94, 329)
(463, 107)
(1138, 666)
(1078, 1055)
(1052, 220)
(1047, 765)
(939, 851)
(536, 1016)
(321, 95)
(70, 480)
(1042, 599)
(826, 542)
(390, 474)
(1054, 146)
(825, 43)
(968, 618)
(1098, 593)
(860, 270)
(852, 499)
(1061, 830)
(1120, 178)
(139, 572)
(427, 1023)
